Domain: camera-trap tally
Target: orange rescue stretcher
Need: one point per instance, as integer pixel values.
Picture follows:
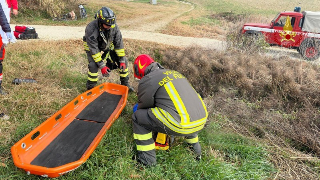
(66, 140)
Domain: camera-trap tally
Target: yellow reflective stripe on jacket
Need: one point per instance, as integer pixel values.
(178, 103)
(172, 121)
(189, 125)
(193, 140)
(86, 47)
(146, 147)
(174, 128)
(168, 117)
(120, 52)
(97, 57)
(142, 136)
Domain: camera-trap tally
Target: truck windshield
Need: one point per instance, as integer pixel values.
(274, 19)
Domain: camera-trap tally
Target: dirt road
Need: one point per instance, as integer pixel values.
(49, 33)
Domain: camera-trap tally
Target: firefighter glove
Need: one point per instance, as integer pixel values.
(123, 66)
(10, 37)
(135, 107)
(105, 71)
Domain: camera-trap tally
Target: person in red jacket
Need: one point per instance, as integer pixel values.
(6, 28)
(13, 4)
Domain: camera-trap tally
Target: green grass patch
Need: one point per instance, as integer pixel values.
(77, 80)
(245, 158)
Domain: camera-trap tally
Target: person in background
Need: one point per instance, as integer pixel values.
(167, 103)
(6, 6)
(103, 35)
(6, 28)
(13, 4)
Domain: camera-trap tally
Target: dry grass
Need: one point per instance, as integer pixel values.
(144, 16)
(188, 25)
(41, 97)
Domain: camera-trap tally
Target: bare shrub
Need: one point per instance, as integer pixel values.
(251, 44)
(248, 43)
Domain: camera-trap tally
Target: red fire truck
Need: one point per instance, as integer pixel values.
(295, 29)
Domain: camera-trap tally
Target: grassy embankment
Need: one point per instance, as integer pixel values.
(263, 112)
(60, 70)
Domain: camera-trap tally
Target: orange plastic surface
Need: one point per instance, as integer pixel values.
(25, 150)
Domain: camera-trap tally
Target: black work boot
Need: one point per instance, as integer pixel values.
(196, 148)
(146, 158)
(125, 82)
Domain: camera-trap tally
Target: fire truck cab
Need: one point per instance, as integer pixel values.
(298, 30)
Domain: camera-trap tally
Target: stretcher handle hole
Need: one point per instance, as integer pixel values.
(89, 93)
(58, 117)
(76, 102)
(35, 135)
(101, 87)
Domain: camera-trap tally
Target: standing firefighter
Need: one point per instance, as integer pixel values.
(168, 104)
(6, 28)
(103, 35)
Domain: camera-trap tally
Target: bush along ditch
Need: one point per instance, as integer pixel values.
(286, 90)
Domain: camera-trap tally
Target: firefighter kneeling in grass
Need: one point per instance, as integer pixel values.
(103, 35)
(168, 104)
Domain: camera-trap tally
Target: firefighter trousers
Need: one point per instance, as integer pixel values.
(143, 126)
(112, 62)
